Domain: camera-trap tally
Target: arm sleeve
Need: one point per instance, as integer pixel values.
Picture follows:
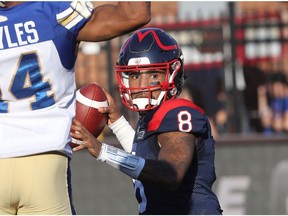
(124, 133)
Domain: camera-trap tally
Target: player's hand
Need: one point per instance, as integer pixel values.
(89, 142)
(112, 109)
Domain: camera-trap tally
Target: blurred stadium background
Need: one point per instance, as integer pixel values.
(230, 49)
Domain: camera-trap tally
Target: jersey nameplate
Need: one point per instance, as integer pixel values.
(19, 35)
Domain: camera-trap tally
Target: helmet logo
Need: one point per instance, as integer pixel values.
(137, 61)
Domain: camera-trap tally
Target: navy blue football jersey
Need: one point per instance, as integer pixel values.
(195, 195)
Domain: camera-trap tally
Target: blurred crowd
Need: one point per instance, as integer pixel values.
(266, 98)
(273, 104)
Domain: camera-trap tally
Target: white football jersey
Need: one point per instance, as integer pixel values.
(37, 82)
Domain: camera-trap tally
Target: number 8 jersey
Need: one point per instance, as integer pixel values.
(194, 196)
(37, 82)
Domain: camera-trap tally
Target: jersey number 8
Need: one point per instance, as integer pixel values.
(184, 121)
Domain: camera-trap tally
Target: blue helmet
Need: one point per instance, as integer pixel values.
(150, 48)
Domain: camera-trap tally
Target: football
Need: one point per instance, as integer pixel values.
(88, 99)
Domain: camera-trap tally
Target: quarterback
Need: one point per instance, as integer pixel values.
(171, 153)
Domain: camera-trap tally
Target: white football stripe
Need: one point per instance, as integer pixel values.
(64, 14)
(74, 22)
(88, 102)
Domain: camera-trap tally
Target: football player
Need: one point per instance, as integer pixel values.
(38, 48)
(171, 158)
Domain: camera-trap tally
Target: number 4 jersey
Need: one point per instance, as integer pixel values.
(194, 196)
(37, 83)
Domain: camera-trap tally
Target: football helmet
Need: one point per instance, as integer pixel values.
(150, 49)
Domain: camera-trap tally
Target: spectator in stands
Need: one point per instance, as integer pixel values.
(273, 104)
(255, 76)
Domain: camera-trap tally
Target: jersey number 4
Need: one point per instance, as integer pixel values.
(28, 82)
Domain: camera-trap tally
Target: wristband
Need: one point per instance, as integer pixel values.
(129, 164)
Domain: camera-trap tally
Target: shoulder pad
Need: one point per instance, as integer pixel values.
(177, 115)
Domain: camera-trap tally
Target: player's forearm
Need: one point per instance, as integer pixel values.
(127, 163)
(137, 11)
(161, 174)
(129, 16)
(109, 21)
(156, 172)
